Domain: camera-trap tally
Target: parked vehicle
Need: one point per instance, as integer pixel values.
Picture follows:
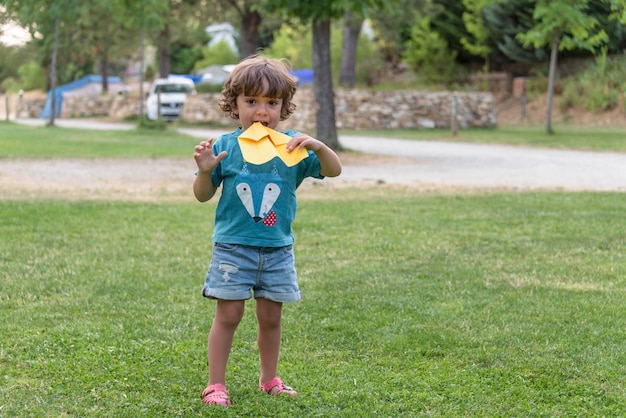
(171, 94)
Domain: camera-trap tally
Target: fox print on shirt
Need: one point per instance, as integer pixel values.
(258, 192)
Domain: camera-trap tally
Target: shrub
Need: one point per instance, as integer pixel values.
(597, 87)
(33, 76)
(157, 125)
(428, 54)
(208, 88)
(218, 54)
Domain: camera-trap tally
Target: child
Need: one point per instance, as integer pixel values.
(253, 241)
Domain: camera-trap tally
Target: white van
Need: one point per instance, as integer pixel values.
(171, 93)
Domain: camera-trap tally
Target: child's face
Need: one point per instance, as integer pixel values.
(258, 109)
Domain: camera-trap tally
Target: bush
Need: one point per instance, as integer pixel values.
(218, 54)
(33, 76)
(428, 54)
(157, 125)
(10, 85)
(208, 88)
(294, 45)
(597, 87)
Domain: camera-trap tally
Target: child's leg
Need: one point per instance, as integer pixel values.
(269, 315)
(228, 314)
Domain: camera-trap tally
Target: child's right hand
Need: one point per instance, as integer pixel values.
(205, 159)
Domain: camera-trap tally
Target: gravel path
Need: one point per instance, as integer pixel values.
(450, 164)
(416, 164)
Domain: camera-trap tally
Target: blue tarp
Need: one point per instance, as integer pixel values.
(76, 84)
(305, 76)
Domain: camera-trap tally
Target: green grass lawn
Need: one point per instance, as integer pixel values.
(19, 141)
(426, 305)
(449, 305)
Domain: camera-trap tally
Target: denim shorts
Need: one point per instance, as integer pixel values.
(237, 272)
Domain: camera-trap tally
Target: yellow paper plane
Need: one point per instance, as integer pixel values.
(259, 144)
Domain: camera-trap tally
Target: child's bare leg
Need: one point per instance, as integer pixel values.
(269, 317)
(228, 314)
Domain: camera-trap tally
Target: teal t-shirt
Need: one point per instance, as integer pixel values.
(258, 202)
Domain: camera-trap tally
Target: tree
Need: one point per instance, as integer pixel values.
(250, 19)
(504, 20)
(351, 32)
(320, 14)
(476, 43)
(393, 27)
(46, 18)
(100, 31)
(176, 21)
(428, 54)
(141, 15)
(618, 10)
(255, 26)
(564, 25)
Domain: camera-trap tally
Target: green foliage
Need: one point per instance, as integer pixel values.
(447, 20)
(597, 87)
(10, 85)
(393, 27)
(218, 54)
(618, 10)
(369, 62)
(157, 125)
(293, 43)
(475, 25)
(568, 21)
(33, 77)
(12, 58)
(29, 76)
(428, 54)
(504, 20)
(208, 88)
(184, 58)
(306, 10)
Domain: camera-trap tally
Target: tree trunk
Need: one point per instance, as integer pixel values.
(104, 64)
(164, 52)
(250, 39)
(53, 73)
(142, 35)
(351, 32)
(323, 85)
(551, 78)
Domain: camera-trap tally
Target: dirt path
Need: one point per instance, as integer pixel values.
(411, 165)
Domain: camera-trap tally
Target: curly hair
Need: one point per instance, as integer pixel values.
(259, 76)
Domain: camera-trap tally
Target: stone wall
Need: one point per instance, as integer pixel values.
(82, 106)
(364, 109)
(355, 109)
(29, 108)
(73, 107)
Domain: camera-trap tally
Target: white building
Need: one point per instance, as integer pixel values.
(223, 32)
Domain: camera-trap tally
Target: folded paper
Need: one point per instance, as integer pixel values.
(259, 144)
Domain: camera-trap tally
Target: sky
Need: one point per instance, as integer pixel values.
(13, 34)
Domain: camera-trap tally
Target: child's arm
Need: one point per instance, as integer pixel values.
(203, 187)
(331, 165)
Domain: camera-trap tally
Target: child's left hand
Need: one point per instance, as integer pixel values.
(304, 141)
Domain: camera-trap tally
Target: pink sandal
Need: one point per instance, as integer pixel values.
(216, 395)
(276, 387)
